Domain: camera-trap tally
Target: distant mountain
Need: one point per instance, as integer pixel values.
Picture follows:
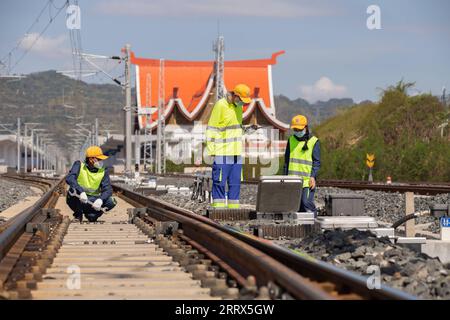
(315, 112)
(48, 97)
(59, 102)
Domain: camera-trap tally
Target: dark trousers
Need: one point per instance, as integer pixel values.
(90, 213)
(307, 204)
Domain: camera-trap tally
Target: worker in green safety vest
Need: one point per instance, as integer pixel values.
(89, 182)
(224, 142)
(302, 159)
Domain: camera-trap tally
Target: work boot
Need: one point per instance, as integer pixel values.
(77, 217)
(91, 218)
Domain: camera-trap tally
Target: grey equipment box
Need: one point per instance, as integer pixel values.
(279, 194)
(344, 204)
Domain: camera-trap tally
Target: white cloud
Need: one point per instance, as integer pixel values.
(46, 46)
(205, 8)
(324, 89)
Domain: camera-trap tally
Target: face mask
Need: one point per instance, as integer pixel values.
(300, 134)
(98, 164)
(239, 104)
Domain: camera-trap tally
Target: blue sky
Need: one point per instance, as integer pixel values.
(330, 52)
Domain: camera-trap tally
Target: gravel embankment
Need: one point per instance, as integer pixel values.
(400, 267)
(355, 250)
(384, 206)
(12, 192)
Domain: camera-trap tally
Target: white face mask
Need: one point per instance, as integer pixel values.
(98, 164)
(300, 134)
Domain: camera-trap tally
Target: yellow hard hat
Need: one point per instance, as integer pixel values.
(95, 152)
(299, 122)
(243, 92)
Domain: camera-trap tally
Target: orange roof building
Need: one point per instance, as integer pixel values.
(189, 90)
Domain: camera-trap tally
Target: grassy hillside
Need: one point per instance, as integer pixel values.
(402, 131)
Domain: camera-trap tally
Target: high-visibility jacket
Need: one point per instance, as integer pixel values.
(224, 131)
(300, 161)
(90, 181)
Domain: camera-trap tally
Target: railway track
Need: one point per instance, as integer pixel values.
(149, 249)
(418, 188)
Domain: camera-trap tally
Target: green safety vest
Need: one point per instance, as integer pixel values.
(224, 131)
(90, 181)
(300, 161)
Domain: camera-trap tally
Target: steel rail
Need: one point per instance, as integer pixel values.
(16, 226)
(423, 188)
(241, 256)
(306, 267)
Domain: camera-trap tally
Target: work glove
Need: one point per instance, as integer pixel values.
(97, 205)
(83, 197)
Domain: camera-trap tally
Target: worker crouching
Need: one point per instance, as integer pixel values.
(89, 183)
(302, 159)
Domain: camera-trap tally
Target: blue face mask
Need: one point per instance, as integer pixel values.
(239, 104)
(300, 134)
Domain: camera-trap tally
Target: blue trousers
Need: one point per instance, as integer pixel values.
(307, 204)
(226, 170)
(90, 213)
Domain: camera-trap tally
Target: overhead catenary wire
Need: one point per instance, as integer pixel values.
(27, 32)
(52, 18)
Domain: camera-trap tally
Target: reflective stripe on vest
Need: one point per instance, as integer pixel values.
(300, 161)
(224, 130)
(90, 181)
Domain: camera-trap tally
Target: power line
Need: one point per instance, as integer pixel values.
(28, 31)
(52, 18)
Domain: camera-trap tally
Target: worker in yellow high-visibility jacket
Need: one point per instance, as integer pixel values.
(224, 142)
(90, 181)
(302, 159)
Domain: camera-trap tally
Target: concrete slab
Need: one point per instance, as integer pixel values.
(384, 232)
(19, 207)
(346, 222)
(411, 240)
(290, 216)
(437, 248)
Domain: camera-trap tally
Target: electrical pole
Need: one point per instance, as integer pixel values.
(444, 98)
(25, 160)
(127, 110)
(96, 131)
(137, 149)
(37, 153)
(32, 150)
(160, 138)
(18, 145)
(28, 125)
(219, 48)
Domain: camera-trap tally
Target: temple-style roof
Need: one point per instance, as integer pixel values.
(189, 85)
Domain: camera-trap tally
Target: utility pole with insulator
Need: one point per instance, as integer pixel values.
(18, 145)
(444, 98)
(96, 132)
(127, 110)
(219, 49)
(160, 133)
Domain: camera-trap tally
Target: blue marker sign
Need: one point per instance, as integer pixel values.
(445, 222)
